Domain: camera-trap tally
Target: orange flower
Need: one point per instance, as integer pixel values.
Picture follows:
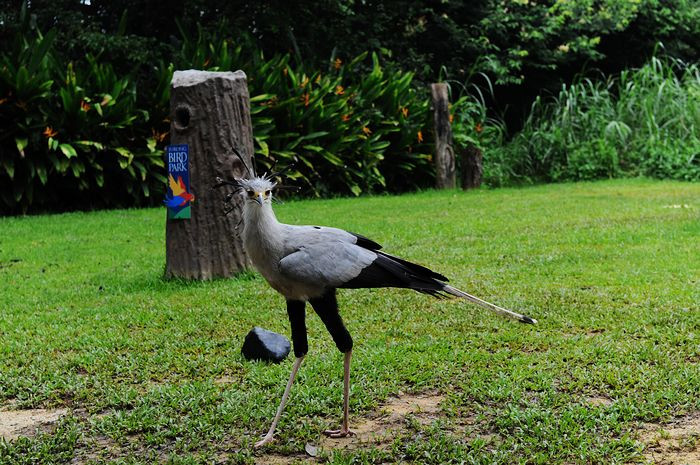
(49, 132)
(404, 112)
(345, 117)
(2, 100)
(84, 106)
(304, 82)
(420, 137)
(478, 127)
(318, 78)
(337, 63)
(159, 136)
(305, 99)
(452, 118)
(339, 90)
(366, 130)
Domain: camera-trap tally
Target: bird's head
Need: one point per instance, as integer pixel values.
(257, 189)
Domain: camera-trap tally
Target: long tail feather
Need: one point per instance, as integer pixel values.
(495, 308)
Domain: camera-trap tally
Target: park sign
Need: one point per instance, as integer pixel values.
(178, 196)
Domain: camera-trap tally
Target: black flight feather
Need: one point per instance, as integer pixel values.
(366, 242)
(415, 268)
(390, 271)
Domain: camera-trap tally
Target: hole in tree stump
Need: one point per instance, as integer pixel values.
(182, 117)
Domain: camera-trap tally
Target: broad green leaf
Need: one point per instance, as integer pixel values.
(332, 158)
(77, 167)
(84, 144)
(9, 166)
(68, 150)
(21, 145)
(314, 135)
(264, 148)
(126, 153)
(262, 97)
(41, 172)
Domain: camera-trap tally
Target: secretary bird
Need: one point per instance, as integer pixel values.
(308, 264)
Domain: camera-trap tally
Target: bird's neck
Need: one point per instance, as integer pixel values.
(261, 230)
(259, 217)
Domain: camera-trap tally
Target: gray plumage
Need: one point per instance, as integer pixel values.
(303, 262)
(308, 263)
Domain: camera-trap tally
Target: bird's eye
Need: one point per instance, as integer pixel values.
(267, 193)
(251, 194)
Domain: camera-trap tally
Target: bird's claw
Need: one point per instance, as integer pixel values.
(339, 433)
(263, 441)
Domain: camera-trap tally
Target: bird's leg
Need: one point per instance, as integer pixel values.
(297, 319)
(344, 429)
(268, 437)
(327, 308)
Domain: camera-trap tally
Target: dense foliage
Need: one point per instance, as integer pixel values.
(642, 122)
(70, 129)
(514, 40)
(77, 134)
(84, 106)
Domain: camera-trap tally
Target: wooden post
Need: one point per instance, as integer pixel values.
(472, 168)
(211, 113)
(445, 176)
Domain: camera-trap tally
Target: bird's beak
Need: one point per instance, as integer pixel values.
(259, 198)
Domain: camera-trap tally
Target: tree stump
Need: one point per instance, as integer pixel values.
(472, 168)
(211, 113)
(445, 174)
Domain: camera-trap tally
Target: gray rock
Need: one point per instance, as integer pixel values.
(261, 344)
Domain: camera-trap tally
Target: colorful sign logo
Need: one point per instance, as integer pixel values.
(178, 197)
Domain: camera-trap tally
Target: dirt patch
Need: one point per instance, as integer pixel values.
(382, 426)
(599, 401)
(376, 430)
(224, 380)
(101, 447)
(16, 423)
(675, 443)
(277, 459)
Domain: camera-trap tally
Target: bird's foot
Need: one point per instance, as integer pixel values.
(339, 433)
(268, 438)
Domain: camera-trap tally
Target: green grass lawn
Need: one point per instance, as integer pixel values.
(151, 370)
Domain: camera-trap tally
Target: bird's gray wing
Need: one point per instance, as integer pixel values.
(313, 233)
(327, 263)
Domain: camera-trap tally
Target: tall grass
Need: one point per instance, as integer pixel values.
(643, 122)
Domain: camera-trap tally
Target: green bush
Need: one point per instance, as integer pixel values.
(354, 127)
(642, 122)
(71, 133)
(473, 127)
(348, 132)
(77, 134)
